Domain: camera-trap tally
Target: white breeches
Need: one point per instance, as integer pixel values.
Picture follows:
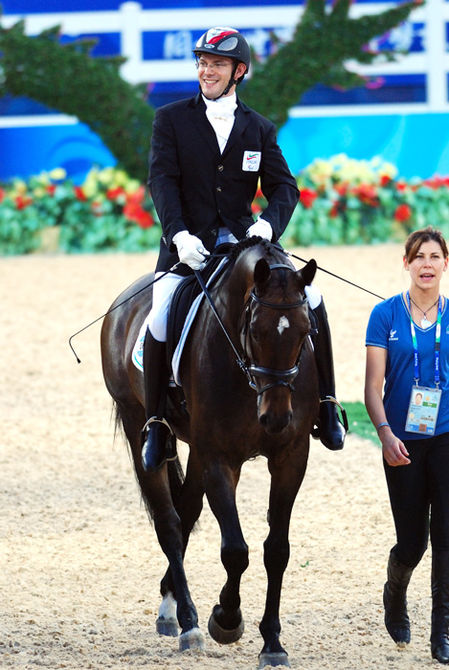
(164, 288)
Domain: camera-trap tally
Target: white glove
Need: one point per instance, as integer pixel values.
(190, 249)
(261, 229)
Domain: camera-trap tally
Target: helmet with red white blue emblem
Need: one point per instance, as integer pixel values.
(226, 42)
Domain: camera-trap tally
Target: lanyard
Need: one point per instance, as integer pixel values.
(437, 343)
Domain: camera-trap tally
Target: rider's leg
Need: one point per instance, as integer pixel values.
(330, 429)
(158, 441)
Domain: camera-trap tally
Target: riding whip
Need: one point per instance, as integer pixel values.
(115, 307)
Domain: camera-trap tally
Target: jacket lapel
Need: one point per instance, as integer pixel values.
(202, 124)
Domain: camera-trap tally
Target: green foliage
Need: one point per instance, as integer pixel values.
(359, 421)
(108, 212)
(323, 40)
(345, 201)
(66, 78)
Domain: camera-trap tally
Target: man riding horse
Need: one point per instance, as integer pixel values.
(208, 155)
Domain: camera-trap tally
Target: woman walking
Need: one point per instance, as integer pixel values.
(408, 351)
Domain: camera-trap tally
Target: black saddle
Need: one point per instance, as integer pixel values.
(184, 295)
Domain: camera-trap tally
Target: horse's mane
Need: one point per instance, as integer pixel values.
(248, 243)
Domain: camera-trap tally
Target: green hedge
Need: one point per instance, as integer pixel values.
(343, 201)
(108, 212)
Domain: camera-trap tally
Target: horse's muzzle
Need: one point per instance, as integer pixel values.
(275, 423)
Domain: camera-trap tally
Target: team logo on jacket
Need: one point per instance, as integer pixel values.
(251, 161)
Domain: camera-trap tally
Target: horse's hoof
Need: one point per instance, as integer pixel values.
(191, 639)
(168, 627)
(167, 622)
(223, 635)
(280, 658)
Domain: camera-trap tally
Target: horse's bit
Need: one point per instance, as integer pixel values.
(282, 377)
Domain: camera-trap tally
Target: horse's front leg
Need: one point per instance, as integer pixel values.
(226, 623)
(286, 478)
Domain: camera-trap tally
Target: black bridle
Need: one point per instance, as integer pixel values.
(281, 377)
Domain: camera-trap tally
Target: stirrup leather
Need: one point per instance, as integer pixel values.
(330, 398)
(315, 432)
(154, 419)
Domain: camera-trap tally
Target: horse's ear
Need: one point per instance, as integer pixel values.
(307, 273)
(262, 271)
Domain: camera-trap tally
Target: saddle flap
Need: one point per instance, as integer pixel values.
(184, 305)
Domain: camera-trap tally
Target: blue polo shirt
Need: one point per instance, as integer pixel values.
(389, 328)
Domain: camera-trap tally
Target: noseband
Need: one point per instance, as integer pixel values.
(281, 377)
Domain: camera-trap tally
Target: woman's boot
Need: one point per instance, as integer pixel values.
(439, 639)
(397, 622)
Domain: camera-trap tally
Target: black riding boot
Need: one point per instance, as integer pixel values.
(439, 639)
(159, 444)
(329, 429)
(397, 622)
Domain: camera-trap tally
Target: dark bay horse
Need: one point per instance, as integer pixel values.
(227, 412)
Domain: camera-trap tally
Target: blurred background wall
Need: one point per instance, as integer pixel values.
(401, 116)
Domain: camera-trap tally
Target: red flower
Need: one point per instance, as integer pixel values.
(341, 188)
(137, 196)
(402, 213)
(2, 194)
(401, 186)
(79, 193)
(384, 180)
(367, 194)
(22, 201)
(114, 193)
(334, 211)
(307, 197)
(50, 189)
(437, 182)
(134, 212)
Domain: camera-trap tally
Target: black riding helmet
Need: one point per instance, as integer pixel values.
(226, 42)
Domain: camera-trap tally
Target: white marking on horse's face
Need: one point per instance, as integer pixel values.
(283, 324)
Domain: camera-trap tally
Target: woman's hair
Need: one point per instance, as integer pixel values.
(415, 239)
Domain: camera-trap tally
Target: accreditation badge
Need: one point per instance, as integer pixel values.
(251, 161)
(423, 410)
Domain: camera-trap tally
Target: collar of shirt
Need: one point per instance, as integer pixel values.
(220, 114)
(223, 108)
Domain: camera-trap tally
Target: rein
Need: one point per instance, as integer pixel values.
(240, 362)
(332, 274)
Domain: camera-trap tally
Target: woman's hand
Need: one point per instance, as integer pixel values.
(393, 449)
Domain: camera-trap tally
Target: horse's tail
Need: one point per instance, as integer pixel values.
(174, 468)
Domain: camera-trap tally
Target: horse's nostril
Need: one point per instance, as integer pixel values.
(275, 424)
(263, 419)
